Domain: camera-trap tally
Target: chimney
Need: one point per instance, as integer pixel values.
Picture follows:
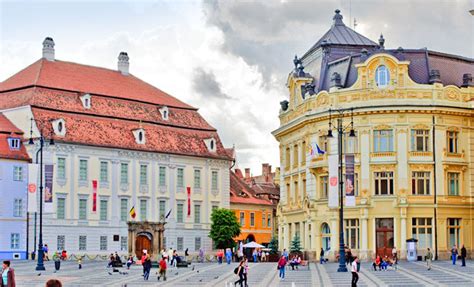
(48, 49)
(467, 80)
(123, 63)
(247, 173)
(435, 77)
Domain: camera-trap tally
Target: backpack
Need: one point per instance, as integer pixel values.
(236, 270)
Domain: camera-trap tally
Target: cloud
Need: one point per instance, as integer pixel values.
(205, 83)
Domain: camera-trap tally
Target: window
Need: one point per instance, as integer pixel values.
(323, 186)
(123, 243)
(350, 144)
(61, 168)
(143, 174)
(197, 213)
(83, 169)
(197, 178)
(104, 171)
(242, 218)
(61, 208)
(323, 143)
(162, 176)
(82, 242)
(355, 183)
(18, 173)
(295, 155)
(454, 231)
(269, 220)
(103, 209)
(422, 230)
(452, 138)
(453, 183)
(180, 176)
(214, 180)
(288, 194)
(303, 153)
(263, 220)
(420, 183)
(382, 76)
(124, 173)
(14, 143)
(383, 140)
(61, 242)
(162, 209)
(123, 209)
(143, 209)
(326, 236)
(103, 243)
(383, 183)
(197, 243)
(420, 140)
(15, 241)
(18, 207)
(82, 209)
(297, 191)
(252, 219)
(287, 158)
(180, 243)
(180, 213)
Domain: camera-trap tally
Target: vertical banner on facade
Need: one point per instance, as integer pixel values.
(48, 187)
(94, 195)
(349, 181)
(32, 187)
(189, 200)
(333, 199)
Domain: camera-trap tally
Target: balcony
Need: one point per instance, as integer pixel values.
(383, 154)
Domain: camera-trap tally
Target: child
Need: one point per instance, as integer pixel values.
(79, 262)
(162, 269)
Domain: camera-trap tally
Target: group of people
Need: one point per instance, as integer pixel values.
(455, 254)
(146, 264)
(114, 260)
(259, 255)
(383, 263)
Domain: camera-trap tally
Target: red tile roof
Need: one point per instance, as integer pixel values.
(240, 192)
(89, 79)
(8, 130)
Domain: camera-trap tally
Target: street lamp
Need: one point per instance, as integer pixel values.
(40, 264)
(340, 131)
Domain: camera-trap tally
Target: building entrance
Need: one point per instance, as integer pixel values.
(384, 236)
(143, 242)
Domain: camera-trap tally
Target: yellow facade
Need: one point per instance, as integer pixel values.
(431, 130)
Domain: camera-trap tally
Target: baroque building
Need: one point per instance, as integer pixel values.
(120, 143)
(414, 150)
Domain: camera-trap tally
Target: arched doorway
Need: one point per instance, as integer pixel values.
(250, 238)
(143, 242)
(326, 236)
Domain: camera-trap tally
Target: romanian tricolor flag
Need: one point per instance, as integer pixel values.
(132, 212)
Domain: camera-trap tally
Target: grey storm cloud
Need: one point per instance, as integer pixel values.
(206, 84)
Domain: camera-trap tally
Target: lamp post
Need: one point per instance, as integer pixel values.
(40, 264)
(340, 132)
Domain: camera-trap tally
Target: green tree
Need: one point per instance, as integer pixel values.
(273, 245)
(224, 228)
(295, 244)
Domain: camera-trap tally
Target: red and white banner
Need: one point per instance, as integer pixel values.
(94, 195)
(333, 198)
(189, 200)
(32, 187)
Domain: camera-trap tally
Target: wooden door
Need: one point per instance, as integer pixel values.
(384, 236)
(142, 242)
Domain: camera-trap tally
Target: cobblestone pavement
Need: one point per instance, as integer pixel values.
(95, 273)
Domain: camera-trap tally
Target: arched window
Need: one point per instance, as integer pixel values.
(382, 76)
(140, 136)
(60, 127)
(212, 145)
(326, 236)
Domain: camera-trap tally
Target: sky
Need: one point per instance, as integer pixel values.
(230, 59)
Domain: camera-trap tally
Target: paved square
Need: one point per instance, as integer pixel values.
(95, 273)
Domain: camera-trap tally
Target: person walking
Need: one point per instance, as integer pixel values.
(201, 255)
(429, 258)
(463, 255)
(254, 255)
(79, 262)
(285, 253)
(143, 259)
(129, 262)
(57, 261)
(186, 254)
(8, 275)
(162, 272)
(355, 271)
(228, 255)
(321, 256)
(147, 267)
(348, 256)
(246, 271)
(240, 272)
(454, 254)
(45, 252)
(281, 267)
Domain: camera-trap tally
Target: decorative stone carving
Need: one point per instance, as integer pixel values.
(65, 148)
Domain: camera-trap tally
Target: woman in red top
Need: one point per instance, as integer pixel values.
(162, 269)
(376, 263)
(281, 267)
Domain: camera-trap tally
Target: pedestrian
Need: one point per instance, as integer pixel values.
(129, 261)
(162, 271)
(254, 255)
(463, 255)
(186, 254)
(220, 255)
(429, 258)
(454, 254)
(8, 275)
(355, 271)
(228, 255)
(285, 253)
(394, 253)
(57, 261)
(264, 256)
(201, 255)
(240, 272)
(281, 267)
(54, 283)
(321, 256)
(377, 262)
(79, 262)
(143, 263)
(111, 261)
(170, 254)
(147, 267)
(348, 256)
(173, 258)
(246, 271)
(45, 252)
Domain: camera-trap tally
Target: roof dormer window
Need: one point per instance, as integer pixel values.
(382, 76)
(59, 127)
(86, 101)
(210, 144)
(164, 113)
(14, 143)
(139, 136)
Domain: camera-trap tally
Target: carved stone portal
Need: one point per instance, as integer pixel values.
(145, 236)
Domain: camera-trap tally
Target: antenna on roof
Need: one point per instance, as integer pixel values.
(355, 23)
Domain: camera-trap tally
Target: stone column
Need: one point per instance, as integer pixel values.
(334, 236)
(364, 236)
(403, 236)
